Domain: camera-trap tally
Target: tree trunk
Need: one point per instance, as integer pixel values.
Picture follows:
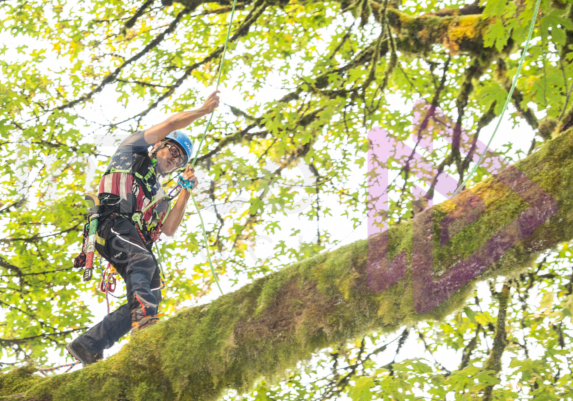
(267, 327)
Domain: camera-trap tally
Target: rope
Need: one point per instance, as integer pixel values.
(205, 240)
(201, 143)
(218, 82)
(46, 370)
(513, 84)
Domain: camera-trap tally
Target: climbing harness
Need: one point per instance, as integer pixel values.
(513, 84)
(110, 207)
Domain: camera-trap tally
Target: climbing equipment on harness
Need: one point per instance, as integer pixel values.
(111, 207)
(86, 256)
(108, 282)
(93, 214)
(509, 95)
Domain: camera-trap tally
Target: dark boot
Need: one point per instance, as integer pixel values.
(83, 355)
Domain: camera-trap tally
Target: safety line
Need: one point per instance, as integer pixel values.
(43, 371)
(218, 82)
(201, 143)
(513, 84)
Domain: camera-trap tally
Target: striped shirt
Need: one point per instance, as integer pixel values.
(124, 185)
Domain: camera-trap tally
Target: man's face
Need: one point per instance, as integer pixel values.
(170, 157)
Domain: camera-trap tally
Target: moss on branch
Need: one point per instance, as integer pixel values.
(458, 33)
(267, 327)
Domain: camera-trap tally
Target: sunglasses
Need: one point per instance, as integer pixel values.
(176, 153)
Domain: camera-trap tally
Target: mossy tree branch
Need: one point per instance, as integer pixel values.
(272, 324)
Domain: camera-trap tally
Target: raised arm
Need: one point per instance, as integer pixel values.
(180, 120)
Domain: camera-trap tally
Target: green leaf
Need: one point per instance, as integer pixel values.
(492, 92)
(470, 314)
(361, 389)
(493, 8)
(497, 35)
(546, 303)
(484, 318)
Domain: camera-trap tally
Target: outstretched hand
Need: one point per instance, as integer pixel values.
(189, 175)
(211, 103)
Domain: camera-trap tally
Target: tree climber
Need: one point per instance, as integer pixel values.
(133, 211)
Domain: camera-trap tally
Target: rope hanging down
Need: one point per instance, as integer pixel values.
(201, 143)
(509, 95)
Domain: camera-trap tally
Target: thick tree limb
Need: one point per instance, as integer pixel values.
(270, 325)
(468, 9)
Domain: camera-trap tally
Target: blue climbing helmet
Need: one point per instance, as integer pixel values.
(184, 142)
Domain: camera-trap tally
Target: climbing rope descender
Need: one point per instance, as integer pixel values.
(185, 183)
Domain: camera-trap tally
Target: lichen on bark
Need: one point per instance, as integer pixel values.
(459, 33)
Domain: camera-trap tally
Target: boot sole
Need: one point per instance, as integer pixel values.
(147, 324)
(69, 348)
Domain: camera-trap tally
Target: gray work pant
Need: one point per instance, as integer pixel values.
(138, 267)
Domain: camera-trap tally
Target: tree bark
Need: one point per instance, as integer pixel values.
(269, 326)
(493, 362)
